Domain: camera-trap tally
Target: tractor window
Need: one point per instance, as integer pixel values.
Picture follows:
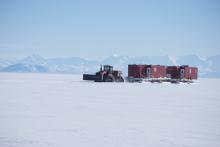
(108, 68)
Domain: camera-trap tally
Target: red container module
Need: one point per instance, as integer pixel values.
(146, 71)
(156, 71)
(182, 72)
(172, 72)
(136, 71)
(187, 72)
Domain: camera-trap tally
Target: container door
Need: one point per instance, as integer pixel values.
(148, 72)
(182, 73)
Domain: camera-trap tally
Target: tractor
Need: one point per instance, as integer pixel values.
(105, 74)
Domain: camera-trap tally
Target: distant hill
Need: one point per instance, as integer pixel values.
(209, 68)
(24, 68)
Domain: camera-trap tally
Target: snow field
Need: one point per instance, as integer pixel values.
(62, 110)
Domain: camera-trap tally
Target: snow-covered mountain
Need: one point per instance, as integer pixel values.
(207, 67)
(6, 62)
(33, 60)
(25, 68)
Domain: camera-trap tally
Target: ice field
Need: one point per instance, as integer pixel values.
(41, 110)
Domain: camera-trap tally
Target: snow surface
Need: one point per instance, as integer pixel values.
(62, 110)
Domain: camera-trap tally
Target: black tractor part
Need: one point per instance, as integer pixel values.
(110, 78)
(91, 77)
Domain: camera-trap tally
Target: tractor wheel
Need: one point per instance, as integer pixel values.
(121, 79)
(109, 79)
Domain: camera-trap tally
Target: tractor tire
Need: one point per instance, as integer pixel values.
(121, 79)
(109, 79)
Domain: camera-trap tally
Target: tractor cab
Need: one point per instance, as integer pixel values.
(108, 68)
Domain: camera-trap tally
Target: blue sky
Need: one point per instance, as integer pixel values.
(98, 28)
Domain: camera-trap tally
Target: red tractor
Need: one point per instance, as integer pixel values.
(105, 75)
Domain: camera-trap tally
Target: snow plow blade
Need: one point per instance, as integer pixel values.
(91, 77)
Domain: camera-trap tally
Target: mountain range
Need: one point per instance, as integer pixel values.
(209, 68)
